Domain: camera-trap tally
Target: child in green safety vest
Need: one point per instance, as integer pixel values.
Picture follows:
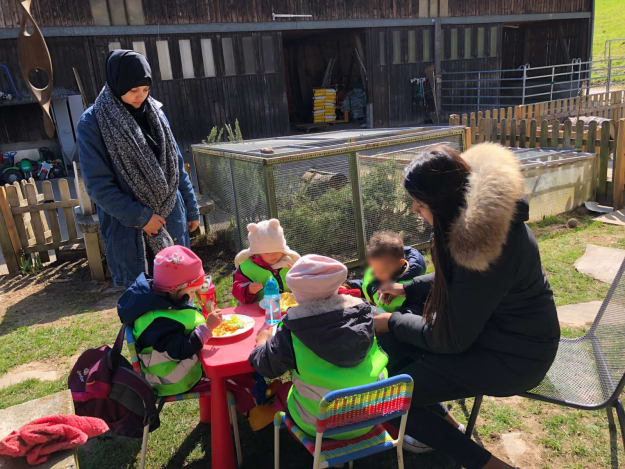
(267, 256)
(327, 341)
(389, 261)
(168, 331)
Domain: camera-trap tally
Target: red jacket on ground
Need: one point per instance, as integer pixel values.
(240, 286)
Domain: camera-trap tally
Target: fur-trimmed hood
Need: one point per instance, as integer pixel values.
(338, 329)
(495, 187)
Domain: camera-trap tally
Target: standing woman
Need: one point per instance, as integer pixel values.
(485, 321)
(133, 170)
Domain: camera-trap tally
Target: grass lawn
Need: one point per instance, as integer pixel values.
(46, 319)
(608, 25)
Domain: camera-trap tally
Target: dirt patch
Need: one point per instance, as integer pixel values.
(519, 450)
(43, 371)
(60, 290)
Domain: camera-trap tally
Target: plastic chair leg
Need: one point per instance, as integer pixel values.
(620, 412)
(144, 445)
(235, 430)
(475, 410)
(276, 447)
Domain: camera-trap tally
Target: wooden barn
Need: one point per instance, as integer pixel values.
(258, 61)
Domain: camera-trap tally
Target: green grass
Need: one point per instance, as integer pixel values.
(561, 246)
(28, 390)
(609, 24)
(27, 344)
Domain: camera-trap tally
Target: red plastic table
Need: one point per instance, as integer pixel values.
(221, 359)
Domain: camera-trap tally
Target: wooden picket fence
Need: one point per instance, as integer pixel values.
(604, 105)
(603, 140)
(30, 221)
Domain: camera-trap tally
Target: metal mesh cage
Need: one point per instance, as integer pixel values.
(238, 188)
(588, 370)
(386, 205)
(330, 191)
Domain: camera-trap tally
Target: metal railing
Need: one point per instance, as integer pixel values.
(488, 89)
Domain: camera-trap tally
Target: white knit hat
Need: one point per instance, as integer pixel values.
(264, 237)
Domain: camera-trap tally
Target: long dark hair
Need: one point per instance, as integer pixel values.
(438, 178)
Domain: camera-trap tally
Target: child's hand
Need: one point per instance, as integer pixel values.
(255, 288)
(263, 336)
(214, 319)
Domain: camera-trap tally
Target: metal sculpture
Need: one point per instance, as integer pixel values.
(35, 59)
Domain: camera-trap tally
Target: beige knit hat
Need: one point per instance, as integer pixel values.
(264, 237)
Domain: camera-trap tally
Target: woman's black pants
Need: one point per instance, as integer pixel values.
(439, 378)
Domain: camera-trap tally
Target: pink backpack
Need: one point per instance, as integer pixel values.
(104, 385)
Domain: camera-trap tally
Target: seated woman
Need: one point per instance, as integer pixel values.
(488, 323)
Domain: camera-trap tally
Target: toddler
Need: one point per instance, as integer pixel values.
(167, 329)
(327, 341)
(389, 261)
(268, 255)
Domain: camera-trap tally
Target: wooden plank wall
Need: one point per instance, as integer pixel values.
(389, 83)
(78, 12)
(499, 7)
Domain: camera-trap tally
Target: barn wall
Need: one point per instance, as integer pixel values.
(79, 12)
(193, 105)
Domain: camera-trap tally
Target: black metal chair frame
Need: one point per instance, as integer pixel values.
(612, 402)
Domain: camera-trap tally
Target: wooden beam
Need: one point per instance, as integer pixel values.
(618, 175)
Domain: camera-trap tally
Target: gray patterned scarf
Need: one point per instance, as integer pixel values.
(153, 178)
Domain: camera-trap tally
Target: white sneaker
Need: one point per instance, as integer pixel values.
(415, 446)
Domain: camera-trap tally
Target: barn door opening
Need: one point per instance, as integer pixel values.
(332, 60)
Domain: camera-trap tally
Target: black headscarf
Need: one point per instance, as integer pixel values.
(127, 69)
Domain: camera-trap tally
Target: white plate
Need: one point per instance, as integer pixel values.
(248, 321)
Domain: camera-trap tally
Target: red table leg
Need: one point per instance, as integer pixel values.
(205, 409)
(222, 450)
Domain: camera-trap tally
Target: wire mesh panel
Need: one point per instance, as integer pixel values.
(314, 201)
(238, 189)
(386, 204)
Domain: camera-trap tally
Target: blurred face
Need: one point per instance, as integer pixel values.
(135, 96)
(191, 291)
(271, 258)
(423, 211)
(385, 267)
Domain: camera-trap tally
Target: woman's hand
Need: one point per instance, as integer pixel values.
(390, 290)
(193, 225)
(380, 322)
(154, 225)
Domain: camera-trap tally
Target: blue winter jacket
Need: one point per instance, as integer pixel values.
(121, 216)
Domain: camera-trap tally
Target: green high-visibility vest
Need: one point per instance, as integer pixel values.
(394, 305)
(258, 274)
(315, 377)
(166, 375)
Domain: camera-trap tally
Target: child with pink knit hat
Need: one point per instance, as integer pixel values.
(267, 256)
(327, 341)
(168, 330)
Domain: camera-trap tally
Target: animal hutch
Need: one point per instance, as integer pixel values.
(331, 191)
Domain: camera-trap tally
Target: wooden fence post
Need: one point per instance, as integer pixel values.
(604, 153)
(618, 175)
(9, 239)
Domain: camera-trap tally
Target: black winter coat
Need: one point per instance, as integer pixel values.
(499, 299)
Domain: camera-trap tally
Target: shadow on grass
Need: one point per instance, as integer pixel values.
(60, 290)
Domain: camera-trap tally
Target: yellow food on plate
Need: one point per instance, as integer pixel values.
(287, 300)
(228, 327)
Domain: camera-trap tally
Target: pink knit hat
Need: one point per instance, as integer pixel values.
(315, 277)
(177, 267)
